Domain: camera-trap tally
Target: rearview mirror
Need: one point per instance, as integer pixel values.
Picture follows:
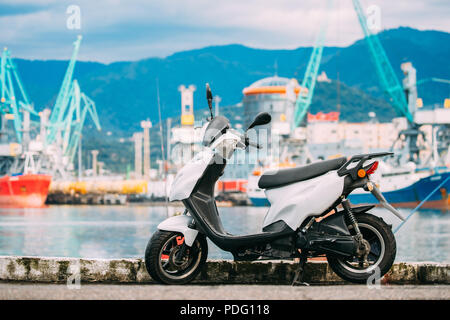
(260, 119)
(209, 98)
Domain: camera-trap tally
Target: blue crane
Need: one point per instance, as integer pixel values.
(80, 106)
(62, 100)
(306, 93)
(12, 104)
(404, 107)
(388, 80)
(69, 112)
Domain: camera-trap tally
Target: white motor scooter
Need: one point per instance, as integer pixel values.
(354, 241)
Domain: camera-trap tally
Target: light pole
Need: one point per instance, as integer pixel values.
(94, 162)
(146, 125)
(137, 137)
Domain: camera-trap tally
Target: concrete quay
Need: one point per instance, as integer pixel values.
(216, 272)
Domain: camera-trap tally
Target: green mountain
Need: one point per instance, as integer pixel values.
(125, 92)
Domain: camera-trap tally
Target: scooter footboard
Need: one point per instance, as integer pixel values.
(180, 224)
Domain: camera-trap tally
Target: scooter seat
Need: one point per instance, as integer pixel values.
(288, 176)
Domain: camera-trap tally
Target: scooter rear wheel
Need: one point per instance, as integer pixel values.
(162, 262)
(381, 256)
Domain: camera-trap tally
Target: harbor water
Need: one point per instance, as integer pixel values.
(123, 231)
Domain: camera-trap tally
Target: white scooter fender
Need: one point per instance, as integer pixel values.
(180, 224)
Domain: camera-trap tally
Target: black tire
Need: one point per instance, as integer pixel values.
(374, 230)
(159, 254)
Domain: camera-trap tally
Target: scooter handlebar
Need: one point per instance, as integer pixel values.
(246, 140)
(256, 145)
(253, 144)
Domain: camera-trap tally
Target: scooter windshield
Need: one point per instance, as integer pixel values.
(215, 129)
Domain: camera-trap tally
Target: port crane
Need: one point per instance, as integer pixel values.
(55, 147)
(296, 143)
(80, 106)
(306, 93)
(14, 106)
(403, 96)
(388, 80)
(63, 98)
(64, 126)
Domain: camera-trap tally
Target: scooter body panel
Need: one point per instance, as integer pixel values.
(180, 224)
(295, 202)
(188, 176)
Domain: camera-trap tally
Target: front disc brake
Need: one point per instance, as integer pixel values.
(178, 264)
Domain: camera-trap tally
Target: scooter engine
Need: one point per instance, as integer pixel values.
(323, 243)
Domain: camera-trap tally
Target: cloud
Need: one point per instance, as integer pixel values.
(116, 30)
(10, 9)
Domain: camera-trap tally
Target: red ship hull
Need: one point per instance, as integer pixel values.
(24, 191)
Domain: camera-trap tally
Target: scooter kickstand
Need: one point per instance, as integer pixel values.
(298, 277)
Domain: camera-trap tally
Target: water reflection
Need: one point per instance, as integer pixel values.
(123, 231)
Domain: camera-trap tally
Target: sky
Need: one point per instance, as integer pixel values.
(130, 30)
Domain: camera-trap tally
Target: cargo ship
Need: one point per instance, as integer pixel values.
(24, 190)
(408, 190)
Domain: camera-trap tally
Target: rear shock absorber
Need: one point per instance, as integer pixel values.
(363, 246)
(352, 219)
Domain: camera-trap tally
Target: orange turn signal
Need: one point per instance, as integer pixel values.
(361, 173)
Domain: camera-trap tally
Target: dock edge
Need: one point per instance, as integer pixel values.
(65, 270)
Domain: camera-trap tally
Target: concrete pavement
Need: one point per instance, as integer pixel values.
(27, 290)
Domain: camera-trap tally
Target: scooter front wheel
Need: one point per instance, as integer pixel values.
(168, 260)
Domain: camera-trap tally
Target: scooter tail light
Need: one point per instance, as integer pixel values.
(372, 168)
